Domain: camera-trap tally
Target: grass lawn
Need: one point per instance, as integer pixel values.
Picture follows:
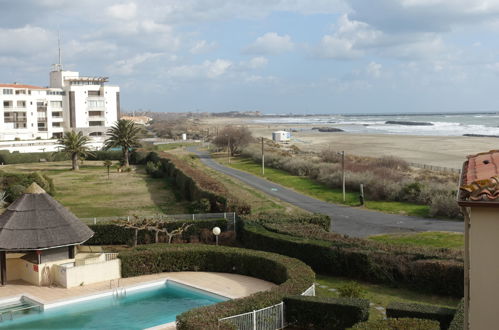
(320, 191)
(433, 239)
(382, 295)
(89, 193)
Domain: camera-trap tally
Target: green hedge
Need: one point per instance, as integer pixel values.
(361, 259)
(419, 311)
(7, 157)
(458, 320)
(398, 324)
(292, 276)
(112, 234)
(321, 220)
(193, 184)
(325, 313)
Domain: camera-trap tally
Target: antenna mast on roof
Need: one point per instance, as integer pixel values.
(58, 66)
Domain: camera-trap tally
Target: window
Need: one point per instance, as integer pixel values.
(96, 104)
(7, 91)
(56, 125)
(20, 92)
(55, 93)
(94, 93)
(57, 114)
(56, 104)
(95, 113)
(95, 123)
(8, 104)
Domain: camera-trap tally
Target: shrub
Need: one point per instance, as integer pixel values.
(291, 275)
(458, 320)
(7, 157)
(444, 205)
(325, 313)
(431, 270)
(351, 290)
(398, 324)
(14, 184)
(441, 314)
(321, 220)
(105, 155)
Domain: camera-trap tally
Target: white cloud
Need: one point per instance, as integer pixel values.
(270, 44)
(123, 11)
(27, 40)
(353, 39)
(128, 66)
(257, 62)
(201, 47)
(206, 70)
(374, 69)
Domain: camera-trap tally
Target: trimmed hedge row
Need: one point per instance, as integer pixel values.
(7, 157)
(325, 313)
(419, 311)
(398, 324)
(112, 234)
(195, 185)
(292, 276)
(321, 220)
(458, 320)
(357, 258)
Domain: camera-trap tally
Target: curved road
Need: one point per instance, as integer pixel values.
(347, 220)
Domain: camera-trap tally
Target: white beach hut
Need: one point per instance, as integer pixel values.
(281, 136)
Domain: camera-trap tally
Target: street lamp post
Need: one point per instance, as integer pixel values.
(216, 231)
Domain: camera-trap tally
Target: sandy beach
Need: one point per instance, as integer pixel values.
(446, 151)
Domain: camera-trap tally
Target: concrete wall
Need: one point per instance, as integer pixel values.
(484, 268)
(87, 274)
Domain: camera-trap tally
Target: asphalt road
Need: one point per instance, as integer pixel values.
(347, 220)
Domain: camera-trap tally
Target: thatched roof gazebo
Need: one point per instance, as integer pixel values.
(36, 222)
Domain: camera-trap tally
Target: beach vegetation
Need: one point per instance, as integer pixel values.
(385, 179)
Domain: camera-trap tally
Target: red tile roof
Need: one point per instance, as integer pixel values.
(480, 177)
(20, 86)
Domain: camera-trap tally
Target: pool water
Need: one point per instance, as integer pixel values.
(139, 309)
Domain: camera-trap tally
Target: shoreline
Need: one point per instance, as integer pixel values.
(444, 151)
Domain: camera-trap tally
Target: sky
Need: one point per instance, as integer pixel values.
(275, 56)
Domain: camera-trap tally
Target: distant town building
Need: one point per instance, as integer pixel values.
(71, 102)
(141, 120)
(281, 136)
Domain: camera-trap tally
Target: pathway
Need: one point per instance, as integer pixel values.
(346, 220)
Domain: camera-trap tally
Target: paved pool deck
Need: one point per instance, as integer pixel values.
(228, 285)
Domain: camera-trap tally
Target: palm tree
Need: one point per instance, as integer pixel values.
(75, 145)
(124, 134)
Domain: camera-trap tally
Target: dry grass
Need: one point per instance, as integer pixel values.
(89, 193)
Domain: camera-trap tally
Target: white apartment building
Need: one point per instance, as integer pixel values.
(71, 102)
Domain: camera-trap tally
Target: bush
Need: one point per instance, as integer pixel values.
(321, 220)
(429, 312)
(14, 184)
(113, 234)
(7, 157)
(430, 270)
(292, 276)
(351, 290)
(325, 313)
(105, 155)
(398, 324)
(458, 320)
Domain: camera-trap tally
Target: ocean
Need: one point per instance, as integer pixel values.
(434, 124)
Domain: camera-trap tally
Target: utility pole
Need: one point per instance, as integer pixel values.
(263, 159)
(343, 173)
(228, 147)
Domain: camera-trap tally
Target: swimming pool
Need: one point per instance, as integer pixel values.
(140, 308)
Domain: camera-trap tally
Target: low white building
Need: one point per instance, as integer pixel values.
(71, 102)
(281, 136)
